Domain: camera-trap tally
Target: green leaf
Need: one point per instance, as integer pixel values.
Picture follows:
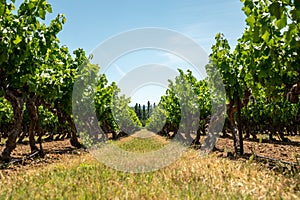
(31, 5)
(250, 20)
(247, 10)
(287, 1)
(42, 14)
(2, 9)
(251, 158)
(248, 3)
(260, 139)
(275, 10)
(17, 40)
(296, 15)
(266, 36)
(49, 8)
(290, 33)
(281, 23)
(64, 20)
(256, 34)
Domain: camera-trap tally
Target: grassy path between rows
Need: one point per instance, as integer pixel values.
(190, 177)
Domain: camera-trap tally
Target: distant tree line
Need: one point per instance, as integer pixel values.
(143, 112)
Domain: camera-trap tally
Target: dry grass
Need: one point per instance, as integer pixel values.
(190, 177)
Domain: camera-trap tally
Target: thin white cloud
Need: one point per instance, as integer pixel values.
(171, 59)
(120, 71)
(204, 34)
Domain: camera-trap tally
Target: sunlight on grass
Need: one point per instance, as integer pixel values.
(191, 177)
(141, 145)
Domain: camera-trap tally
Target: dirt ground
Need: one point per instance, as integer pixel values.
(284, 151)
(58, 151)
(55, 152)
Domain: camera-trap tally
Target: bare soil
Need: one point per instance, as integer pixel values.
(283, 151)
(55, 152)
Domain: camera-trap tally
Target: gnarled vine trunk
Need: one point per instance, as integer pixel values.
(33, 114)
(62, 116)
(293, 95)
(16, 98)
(235, 106)
(74, 140)
(231, 109)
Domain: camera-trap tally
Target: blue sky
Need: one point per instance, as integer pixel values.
(91, 22)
